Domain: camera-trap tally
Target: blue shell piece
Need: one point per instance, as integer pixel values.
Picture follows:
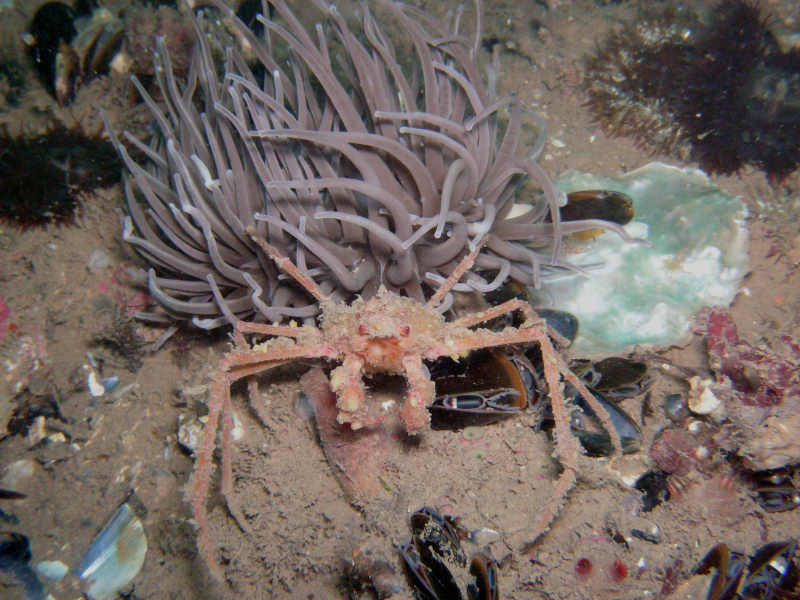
(115, 556)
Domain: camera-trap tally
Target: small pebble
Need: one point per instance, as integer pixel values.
(675, 407)
(98, 260)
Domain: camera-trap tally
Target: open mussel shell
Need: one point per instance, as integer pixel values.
(429, 578)
(778, 490)
(778, 499)
(434, 550)
(481, 389)
(115, 556)
(728, 570)
(51, 27)
(438, 534)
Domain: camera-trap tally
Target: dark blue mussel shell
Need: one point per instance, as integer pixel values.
(771, 573)
(431, 553)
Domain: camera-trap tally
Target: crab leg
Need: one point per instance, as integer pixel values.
(566, 443)
(288, 267)
(265, 355)
(554, 368)
(510, 336)
(351, 396)
(291, 331)
(531, 318)
(234, 366)
(421, 390)
(460, 269)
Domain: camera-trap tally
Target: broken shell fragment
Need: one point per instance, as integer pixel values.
(190, 433)
(115, 556)
(96, 388)
(54, 570)
(703, 400)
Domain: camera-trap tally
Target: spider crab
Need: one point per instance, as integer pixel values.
(386, 334)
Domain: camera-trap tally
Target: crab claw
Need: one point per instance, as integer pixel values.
(421, 389)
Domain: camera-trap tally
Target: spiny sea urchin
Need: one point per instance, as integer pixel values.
(42, 177)
(717, 90)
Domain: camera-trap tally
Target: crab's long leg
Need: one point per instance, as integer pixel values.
(457, 273)
(219, 399)
(531, 318)
(234, 366)
(525, 335)
(288, 267)
(266, 354)
(554, 368)
(566, 443)
(291, 331)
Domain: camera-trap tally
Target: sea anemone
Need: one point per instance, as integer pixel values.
(365, 165)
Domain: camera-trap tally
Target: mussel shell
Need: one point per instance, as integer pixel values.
(485, 584)
(483, 388)
(52, 24)
(430, 579)
(599, 444)
(15, 554)
(729, 568)
(564, 323)
(438, 535)
(772, 567)
(598, 204)
(778, 498)
(616, 376)
(434, 547)
(653, 484)
(778, 490)
(11, 495)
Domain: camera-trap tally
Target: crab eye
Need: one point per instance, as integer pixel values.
(405, 330)
(362, 329)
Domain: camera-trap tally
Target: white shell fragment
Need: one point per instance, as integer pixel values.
(115, 556)
(704, 400)
(96, 389)
(54, 570)
(190, 433)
